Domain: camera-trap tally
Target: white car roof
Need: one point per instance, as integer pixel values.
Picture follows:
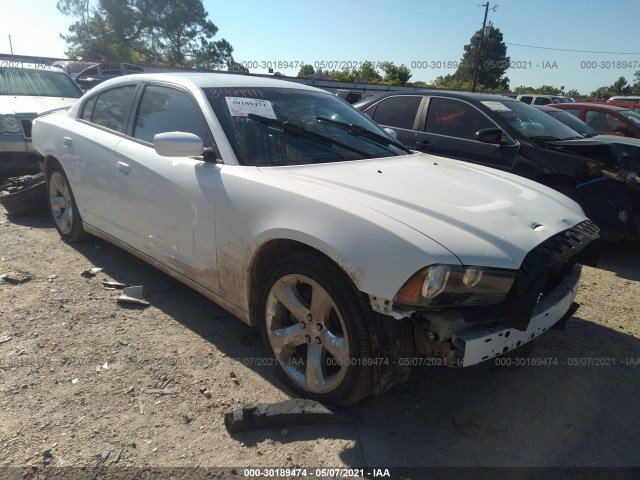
(209, 80)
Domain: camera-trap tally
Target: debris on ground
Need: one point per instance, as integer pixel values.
(24, 195)
(15, 278)
(289, 412)
(91, 272)
(113, 285)
(161, 391)
(133, 294)
(5, 339)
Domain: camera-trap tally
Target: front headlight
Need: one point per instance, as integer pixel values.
(442, 286)
(9, 124)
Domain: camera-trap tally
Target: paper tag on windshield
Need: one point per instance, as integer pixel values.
(241, 107)
(496, 106)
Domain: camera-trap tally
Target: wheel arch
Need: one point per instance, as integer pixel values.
(268, 255)
(48, 161)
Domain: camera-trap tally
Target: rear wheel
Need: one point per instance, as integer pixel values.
(315, 327)
(62, 206)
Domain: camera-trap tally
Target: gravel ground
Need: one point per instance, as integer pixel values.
(76, 367)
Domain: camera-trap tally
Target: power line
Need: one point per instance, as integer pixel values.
(570, 50)
(412, 11)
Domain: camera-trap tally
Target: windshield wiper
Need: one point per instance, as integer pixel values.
(360, 131)
(293, 129)
(543, 138)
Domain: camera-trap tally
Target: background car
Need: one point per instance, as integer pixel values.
(98, 73)
(298, 214)
(26, 90)
(625, 151)
(509, 135)
(625, 98)
(606, 119)
(536, 99)
(73, 67)
(633, 106)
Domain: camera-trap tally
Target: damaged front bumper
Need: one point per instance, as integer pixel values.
(480, 344)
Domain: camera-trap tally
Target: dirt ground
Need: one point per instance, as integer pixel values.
(75, 366)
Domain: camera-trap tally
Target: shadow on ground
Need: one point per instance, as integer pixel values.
(573, 404)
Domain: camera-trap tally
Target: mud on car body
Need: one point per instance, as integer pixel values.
(299, 215)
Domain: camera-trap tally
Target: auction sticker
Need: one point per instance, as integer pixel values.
(496, 106)
(241, 107)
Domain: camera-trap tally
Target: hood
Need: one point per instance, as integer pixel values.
(483, 216)
(610, 149)
(33, 106)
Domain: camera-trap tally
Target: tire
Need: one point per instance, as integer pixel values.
(570, 192)
(315, 327)
(62, 206)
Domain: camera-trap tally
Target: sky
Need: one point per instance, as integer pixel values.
(580, 44)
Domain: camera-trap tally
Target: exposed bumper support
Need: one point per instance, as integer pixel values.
(481, 344)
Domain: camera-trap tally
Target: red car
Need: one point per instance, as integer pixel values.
(633, 106)
(606, 119)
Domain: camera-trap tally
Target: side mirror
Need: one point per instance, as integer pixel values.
(177, 144)
(489, 135)
(391, 132)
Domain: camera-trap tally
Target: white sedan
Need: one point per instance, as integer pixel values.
(355, 257)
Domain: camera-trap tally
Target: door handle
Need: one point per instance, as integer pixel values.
(67, 142)
(123, 168)
(424, 146)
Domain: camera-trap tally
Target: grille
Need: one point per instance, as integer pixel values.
(26, 128)
(575, 244)
(545, 267)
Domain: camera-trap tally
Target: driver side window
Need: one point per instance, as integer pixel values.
(453, 118)
(165, 109)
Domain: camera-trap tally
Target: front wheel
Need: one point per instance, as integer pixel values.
(315, 327)
(62, 206)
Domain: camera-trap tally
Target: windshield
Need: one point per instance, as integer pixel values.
(561, 100)
(633, 116)
(285, 126)
(574, 123)
(40, 83)
(531, 122)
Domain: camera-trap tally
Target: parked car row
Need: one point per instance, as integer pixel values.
(353, 252)
(509, 135)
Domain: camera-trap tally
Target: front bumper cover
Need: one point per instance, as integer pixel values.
(480, 344)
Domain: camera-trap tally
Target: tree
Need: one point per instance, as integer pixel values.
(395, 75)
(619, 87)
(493, 62)
(306, 70)
(572, 93)
(367, 72)
(237, 68)
(148, 31)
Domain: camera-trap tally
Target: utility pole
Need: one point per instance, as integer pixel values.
(475, 67)
(10, 45)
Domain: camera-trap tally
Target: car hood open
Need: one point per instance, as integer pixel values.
(483, 216)
(610, 149)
